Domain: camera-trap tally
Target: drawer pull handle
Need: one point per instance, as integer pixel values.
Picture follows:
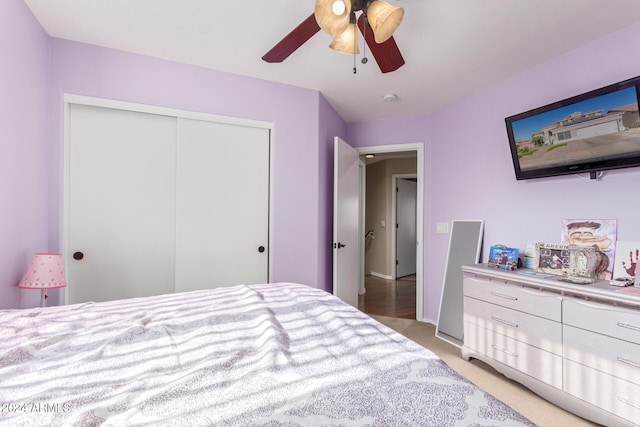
(495, 347)
(506, 322)
(628, 326)
(629, 362)
(628, 402)
(496, 294)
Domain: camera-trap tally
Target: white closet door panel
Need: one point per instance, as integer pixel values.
(121, 203)
(222, 205)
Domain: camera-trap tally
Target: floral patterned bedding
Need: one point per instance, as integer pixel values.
(262, 355)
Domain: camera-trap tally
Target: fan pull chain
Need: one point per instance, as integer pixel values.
(364, 44)
(355, 44)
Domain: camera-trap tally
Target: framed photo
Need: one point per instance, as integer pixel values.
(589, 232)
(552, 259)
(503, 257)
(583, 261)
(626, 260)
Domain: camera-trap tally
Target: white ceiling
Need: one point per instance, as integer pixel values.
(452, 48)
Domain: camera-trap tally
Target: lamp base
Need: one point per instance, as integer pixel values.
(44, 297)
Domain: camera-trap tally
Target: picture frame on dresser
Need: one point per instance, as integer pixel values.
(583, 261)
(626, 260)
(552, 259)
(501, 256)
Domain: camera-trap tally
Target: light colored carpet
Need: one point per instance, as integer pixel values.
(529, 404)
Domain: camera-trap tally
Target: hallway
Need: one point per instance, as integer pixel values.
(392, 298)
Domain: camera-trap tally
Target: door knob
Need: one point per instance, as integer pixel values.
(261, 249)
(78, 256)
(339, 245)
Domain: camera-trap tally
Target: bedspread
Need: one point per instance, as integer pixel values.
(262, 355)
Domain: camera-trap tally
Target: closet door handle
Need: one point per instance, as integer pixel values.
(261, 249)
(78, 256)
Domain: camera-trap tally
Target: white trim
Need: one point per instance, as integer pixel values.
(363, 204)
(65, 195)
(164, 111)
(419, 148)
(152, 109)
(381, 276)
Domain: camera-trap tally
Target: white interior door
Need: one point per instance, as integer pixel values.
(406, 227)
(121, 167)
(222, 205)
(346, 222)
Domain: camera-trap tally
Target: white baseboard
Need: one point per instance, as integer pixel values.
(382, 276)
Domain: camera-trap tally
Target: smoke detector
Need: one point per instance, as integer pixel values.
(390, 97)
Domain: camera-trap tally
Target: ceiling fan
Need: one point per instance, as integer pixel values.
(377, 23)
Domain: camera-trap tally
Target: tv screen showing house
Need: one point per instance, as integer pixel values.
(596, 132)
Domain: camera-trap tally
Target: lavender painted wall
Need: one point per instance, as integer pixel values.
(469, 174)
(468, 171)
(105, 73)
(24, 65)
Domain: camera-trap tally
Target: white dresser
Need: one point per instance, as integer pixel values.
(577, 346)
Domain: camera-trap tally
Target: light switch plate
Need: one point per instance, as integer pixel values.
(442, 227)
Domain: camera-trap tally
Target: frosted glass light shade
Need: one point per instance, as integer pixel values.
(347, 41)
(328, 21)
(384, 19)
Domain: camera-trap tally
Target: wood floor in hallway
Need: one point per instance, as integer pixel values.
(392, 298)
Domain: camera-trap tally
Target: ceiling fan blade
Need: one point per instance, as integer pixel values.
(293, 40)
(387, 54)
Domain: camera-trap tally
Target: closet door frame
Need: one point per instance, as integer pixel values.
(70, 99)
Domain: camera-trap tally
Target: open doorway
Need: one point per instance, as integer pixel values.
(392, 269)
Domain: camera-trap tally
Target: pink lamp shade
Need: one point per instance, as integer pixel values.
(45, 272)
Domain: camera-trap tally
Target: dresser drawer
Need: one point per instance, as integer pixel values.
(606, 319)
(542, 365)
(527, 300)
(613, 356)
(533, 330)
(612, 394)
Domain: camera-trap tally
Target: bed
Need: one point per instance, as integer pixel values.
(277, 355)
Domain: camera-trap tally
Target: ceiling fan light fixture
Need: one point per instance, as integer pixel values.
(327, 18)
(384, 19)
(347, 41)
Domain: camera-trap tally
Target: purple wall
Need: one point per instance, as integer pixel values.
(469, 173)
(24, 64)
(36, 73)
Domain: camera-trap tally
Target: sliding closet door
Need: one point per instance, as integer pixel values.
(222, 205)
(121, 204)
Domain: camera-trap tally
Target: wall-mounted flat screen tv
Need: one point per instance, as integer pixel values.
(591, 132)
